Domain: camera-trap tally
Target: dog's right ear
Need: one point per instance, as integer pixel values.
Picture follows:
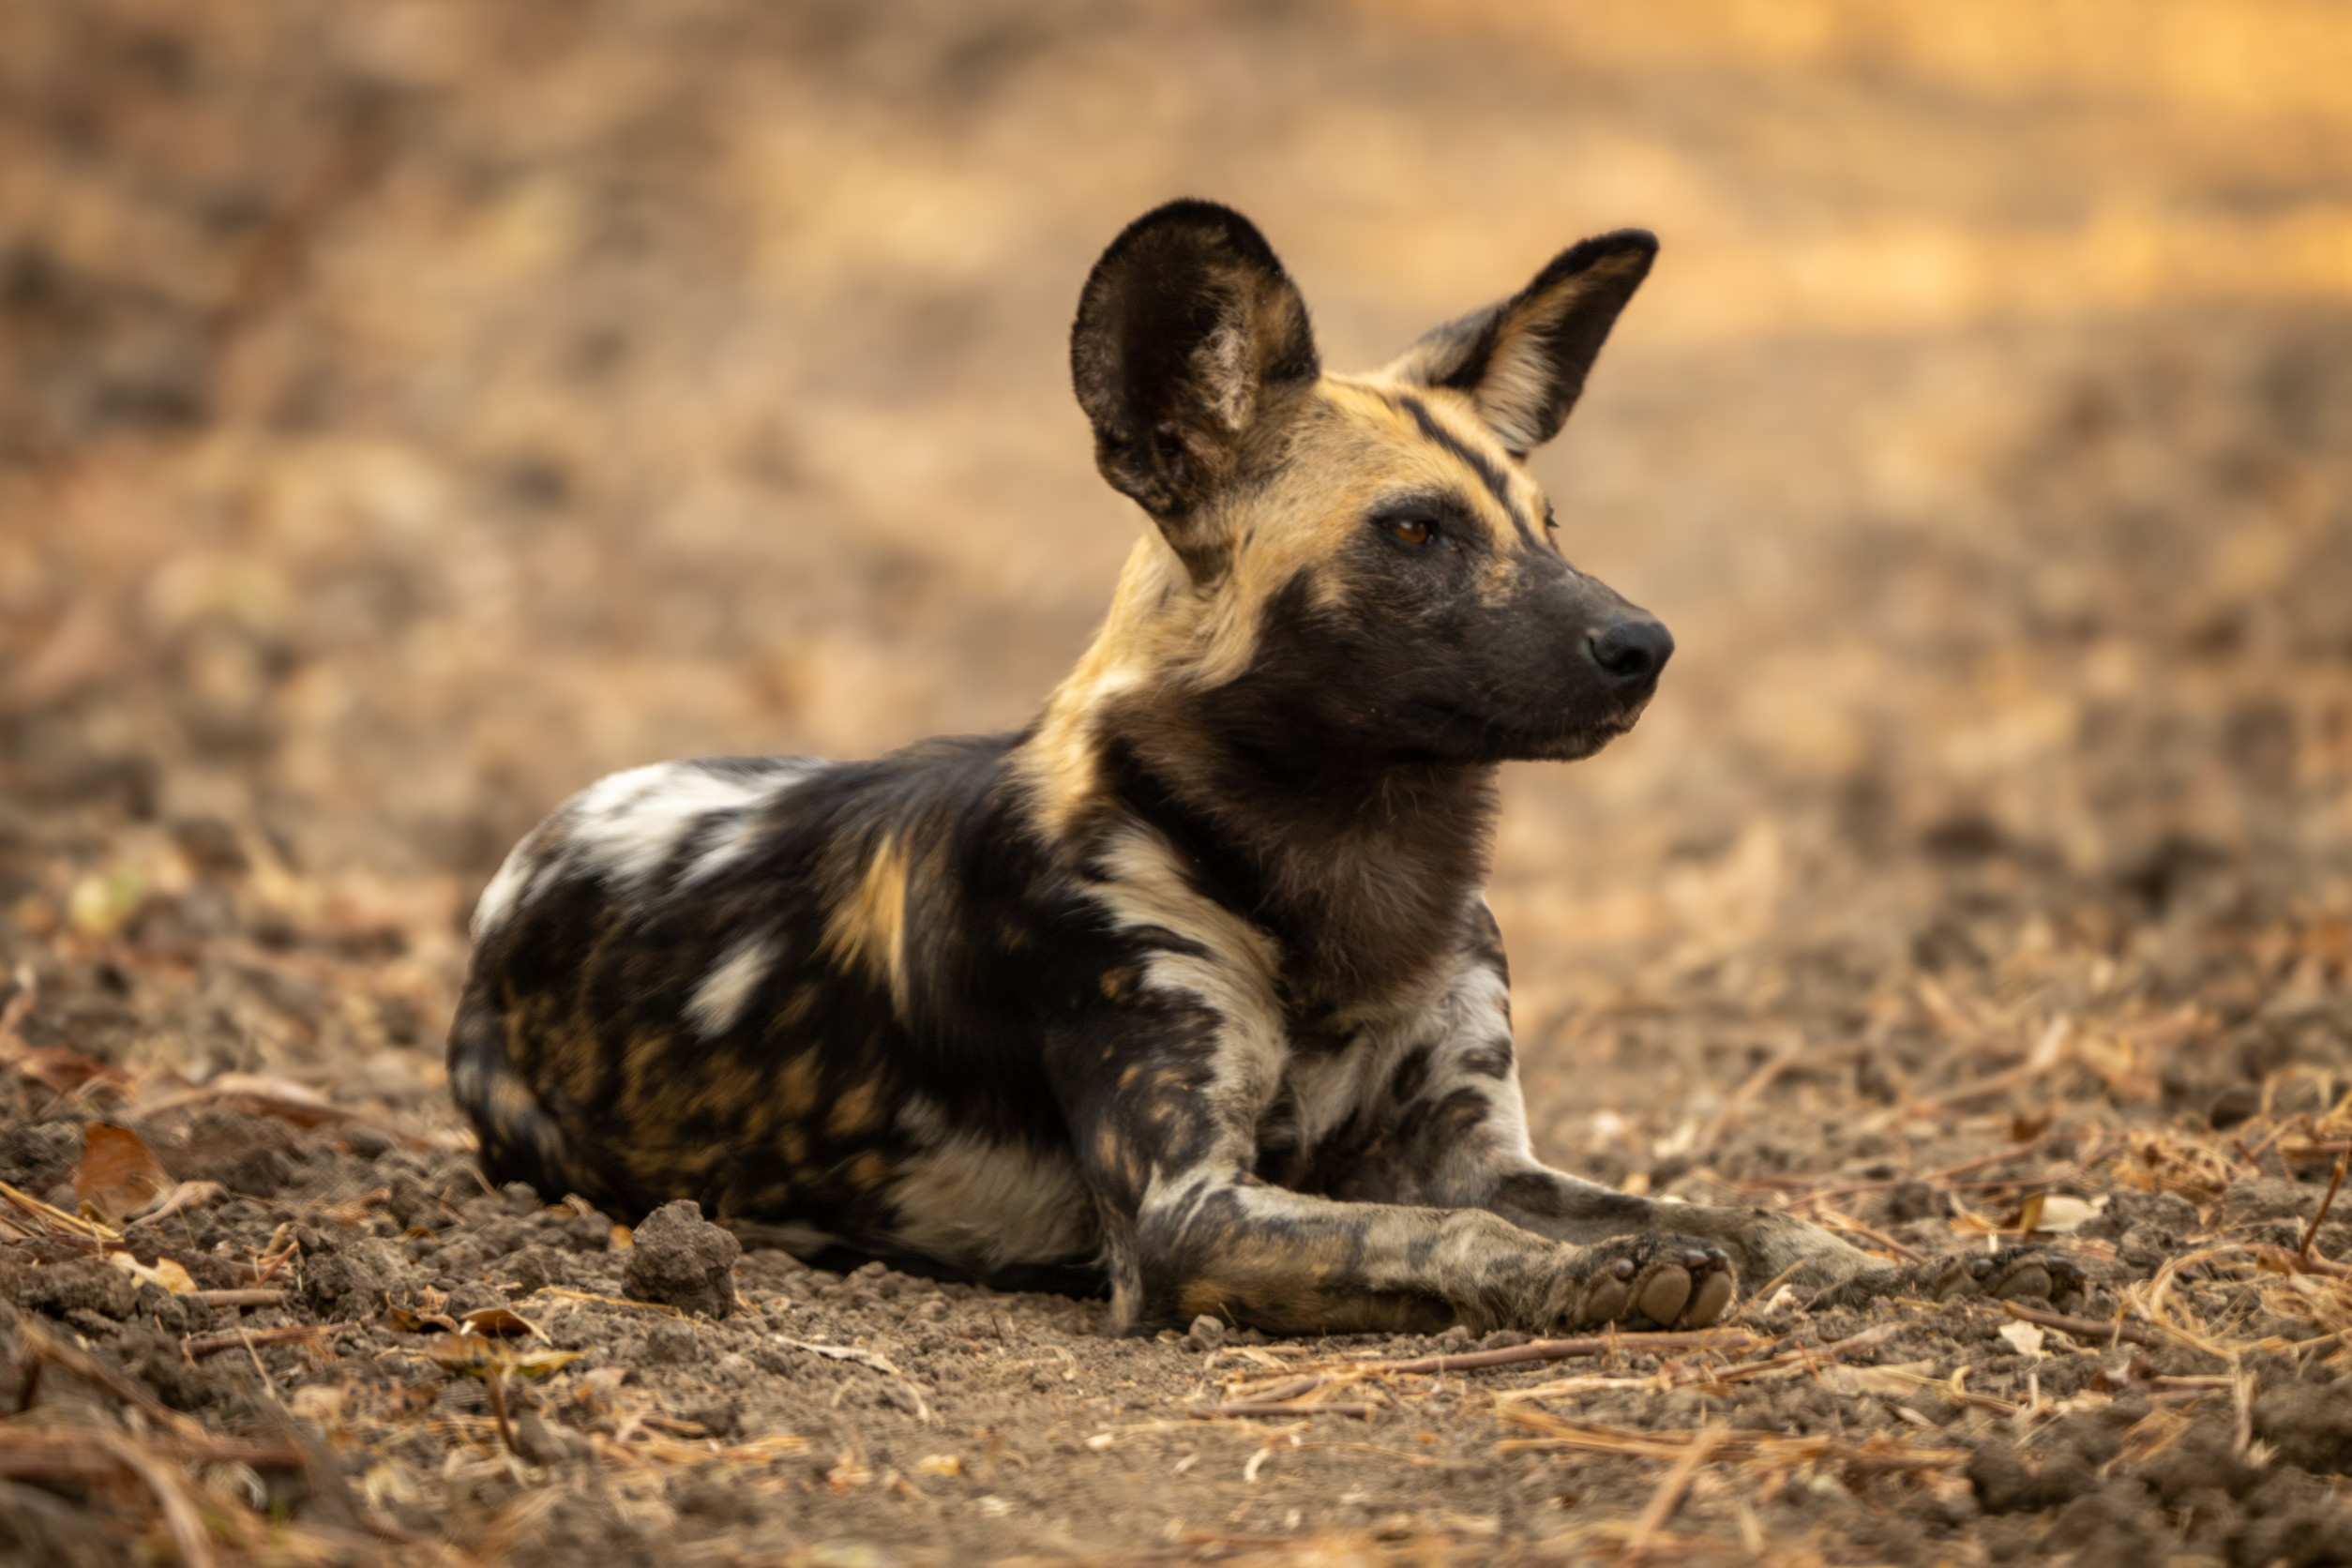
(1188, 334)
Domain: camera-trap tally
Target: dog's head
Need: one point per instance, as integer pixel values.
(1361, 563)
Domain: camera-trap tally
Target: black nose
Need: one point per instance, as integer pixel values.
(1632, 651)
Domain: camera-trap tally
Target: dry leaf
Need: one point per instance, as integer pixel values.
(939, 1464)
(401, 1320)
(500, 1321)
(119, 1175)
(2062, 1215)
(2025, 1337)
(166, 1275)
(55, 1067)
(477, 1357)
(2029, 1213)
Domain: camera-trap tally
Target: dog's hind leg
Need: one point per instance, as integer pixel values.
(520, 1140)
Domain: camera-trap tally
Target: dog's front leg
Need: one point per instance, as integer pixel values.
(1162, 1099)
(1451, 1129)
(1443, 1122)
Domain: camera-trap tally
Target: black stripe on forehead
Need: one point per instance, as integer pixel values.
(1478, 462)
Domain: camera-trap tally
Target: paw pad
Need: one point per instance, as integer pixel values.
(1655, 1282)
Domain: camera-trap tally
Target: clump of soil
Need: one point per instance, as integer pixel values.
(680, 1259)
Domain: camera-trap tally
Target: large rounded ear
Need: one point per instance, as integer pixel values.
(1522, 362)
(1188, 335)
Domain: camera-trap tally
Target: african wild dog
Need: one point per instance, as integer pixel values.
(1188, 988)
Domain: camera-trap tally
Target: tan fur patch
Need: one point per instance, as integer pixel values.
(796, 1086)
(856, 1111)
(869, 926)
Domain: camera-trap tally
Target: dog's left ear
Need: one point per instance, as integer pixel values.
(1188, 335)
(1522, 362)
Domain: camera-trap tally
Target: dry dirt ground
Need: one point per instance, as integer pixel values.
(409, 412)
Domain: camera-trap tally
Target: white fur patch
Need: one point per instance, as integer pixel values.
(719, 1000)
(508, 890)
(626, 826)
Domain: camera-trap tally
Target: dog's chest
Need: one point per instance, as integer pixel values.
(1341, 1084)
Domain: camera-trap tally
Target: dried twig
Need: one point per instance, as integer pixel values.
(2084, 1328)
(237, 1298)
(2278, 1258)
(181, 1521)
(1669, 1492)
(496, 1379)
(1564, 1350)
(55, 1219)
(867, 1358)
(1287, 1407)
(44, 1346)
(19, 1007)
(212, 1344)
(2310, 1232)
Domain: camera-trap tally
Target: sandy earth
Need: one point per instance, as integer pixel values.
(407, 416)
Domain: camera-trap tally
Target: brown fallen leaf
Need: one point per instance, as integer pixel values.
(501, 1321)
(477, 1357)
(403, 1320)
(50, 1066)
(119, 1175)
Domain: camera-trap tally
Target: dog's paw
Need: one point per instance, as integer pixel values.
(2011, 1274)
(1646, 1282)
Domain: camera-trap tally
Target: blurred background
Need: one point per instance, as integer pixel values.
(409, 412)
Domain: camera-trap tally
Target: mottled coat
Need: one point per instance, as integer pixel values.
(1189, 988)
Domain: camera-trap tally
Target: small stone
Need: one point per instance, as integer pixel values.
(671, 1342)
(1207, 1332)
(680, 1259)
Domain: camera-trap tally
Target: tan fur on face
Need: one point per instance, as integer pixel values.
(1350, 446)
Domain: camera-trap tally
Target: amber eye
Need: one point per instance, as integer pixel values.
(1413, 531)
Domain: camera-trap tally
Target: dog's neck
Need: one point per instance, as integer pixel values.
(1365, 872)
